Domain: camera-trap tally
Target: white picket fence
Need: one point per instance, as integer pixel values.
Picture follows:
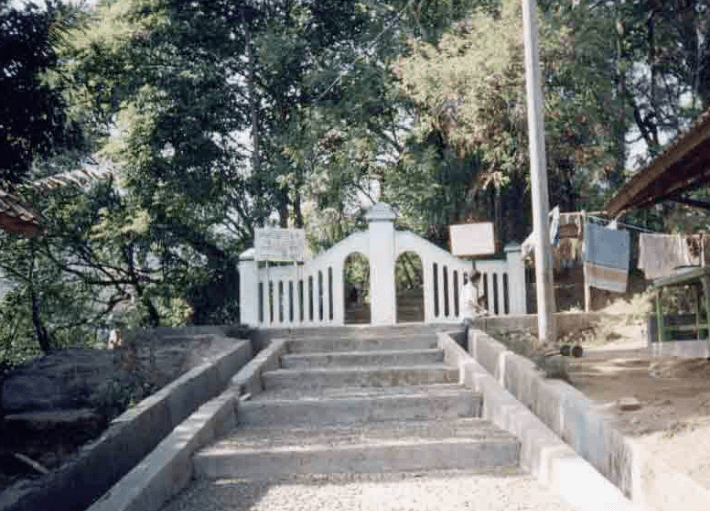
(313, 293)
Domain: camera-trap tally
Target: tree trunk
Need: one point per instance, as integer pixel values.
(297, 211)
(153, 315)
(653, 117)
(620, 127)
(283, 208)
(253, 107)
(40, 332)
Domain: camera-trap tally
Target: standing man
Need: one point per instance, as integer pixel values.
(469, 302)
(467, 299)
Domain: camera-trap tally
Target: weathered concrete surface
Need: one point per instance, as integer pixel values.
(363, 358)
(168, 468)
(386, 447)
(340, 344)
(543, 453)
(261, 337)
(358, 377)
(128, 439)
(249, 379)
(430, 403)
(680, 349)
(583, 425)
(565, 322)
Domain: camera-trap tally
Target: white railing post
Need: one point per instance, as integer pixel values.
(516, 280)
(381, 233)
(248, 289)
(338, 295)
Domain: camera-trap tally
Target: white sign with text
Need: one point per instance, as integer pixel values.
(469, 240)
(276, 244)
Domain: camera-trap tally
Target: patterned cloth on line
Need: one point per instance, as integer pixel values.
(607, 254)
(661, 254)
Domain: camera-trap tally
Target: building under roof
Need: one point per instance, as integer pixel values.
(682, 167)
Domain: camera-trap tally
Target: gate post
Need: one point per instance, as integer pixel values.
(382, 288)
(516, 279)
(248, 289)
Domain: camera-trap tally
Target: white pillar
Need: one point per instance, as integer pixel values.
(248, 289)
(382, 288)
(538, 177)
(428, 285)
(338, 295)
(517, 294)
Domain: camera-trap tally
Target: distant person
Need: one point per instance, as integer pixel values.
(470, 302)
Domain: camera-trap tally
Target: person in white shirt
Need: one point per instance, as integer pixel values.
(469, 301)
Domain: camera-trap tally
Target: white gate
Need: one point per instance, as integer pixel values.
(312, 294)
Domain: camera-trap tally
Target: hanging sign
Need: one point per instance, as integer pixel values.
(276, 244)
(470, 240)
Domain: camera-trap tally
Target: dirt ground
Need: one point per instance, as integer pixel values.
(668, 398)
(661, 402)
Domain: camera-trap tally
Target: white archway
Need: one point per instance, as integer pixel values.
(356, 287)
(409, 286)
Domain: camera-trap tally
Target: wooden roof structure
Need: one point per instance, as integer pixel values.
(18, 218)
(21, 219)
(683, 166)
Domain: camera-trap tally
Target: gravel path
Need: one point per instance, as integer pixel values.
(432, 491)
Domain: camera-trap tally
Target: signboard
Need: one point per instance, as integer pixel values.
(275, 244)
(470, 240)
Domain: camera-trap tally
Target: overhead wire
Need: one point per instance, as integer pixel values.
(365, 53)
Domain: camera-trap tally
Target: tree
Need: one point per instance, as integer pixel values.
(32, 113)
(469, 91)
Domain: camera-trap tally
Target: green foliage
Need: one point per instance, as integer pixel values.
(118, 395)
(32, 113)
(220, 117)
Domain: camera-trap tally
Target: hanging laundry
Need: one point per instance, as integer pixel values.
(694, 242)
(571, 225)
(562, 225)
(567, 254)
(555, 226)
(606, 257)
(661, 254)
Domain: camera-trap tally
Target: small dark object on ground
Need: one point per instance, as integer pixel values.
(565, 350)
(577, 351)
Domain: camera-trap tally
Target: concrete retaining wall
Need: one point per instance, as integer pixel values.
(542, 452)
(680, 349)
(248, 380)
(169, 467)
(128, 439)
(565, 322)
(582, 424)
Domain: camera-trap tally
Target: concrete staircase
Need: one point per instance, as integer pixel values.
(359, 400)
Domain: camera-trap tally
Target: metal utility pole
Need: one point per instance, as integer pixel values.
(538, 178)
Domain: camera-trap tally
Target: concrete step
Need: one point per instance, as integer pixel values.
(340, 392)
(330, 344)
(361, 408)
(380, 447)
(365, 331)
(362, 358)
(364, 376)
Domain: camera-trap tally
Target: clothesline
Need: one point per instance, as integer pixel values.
(622, 224)
(592, 216)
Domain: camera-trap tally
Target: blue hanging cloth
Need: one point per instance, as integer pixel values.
(607, 256)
